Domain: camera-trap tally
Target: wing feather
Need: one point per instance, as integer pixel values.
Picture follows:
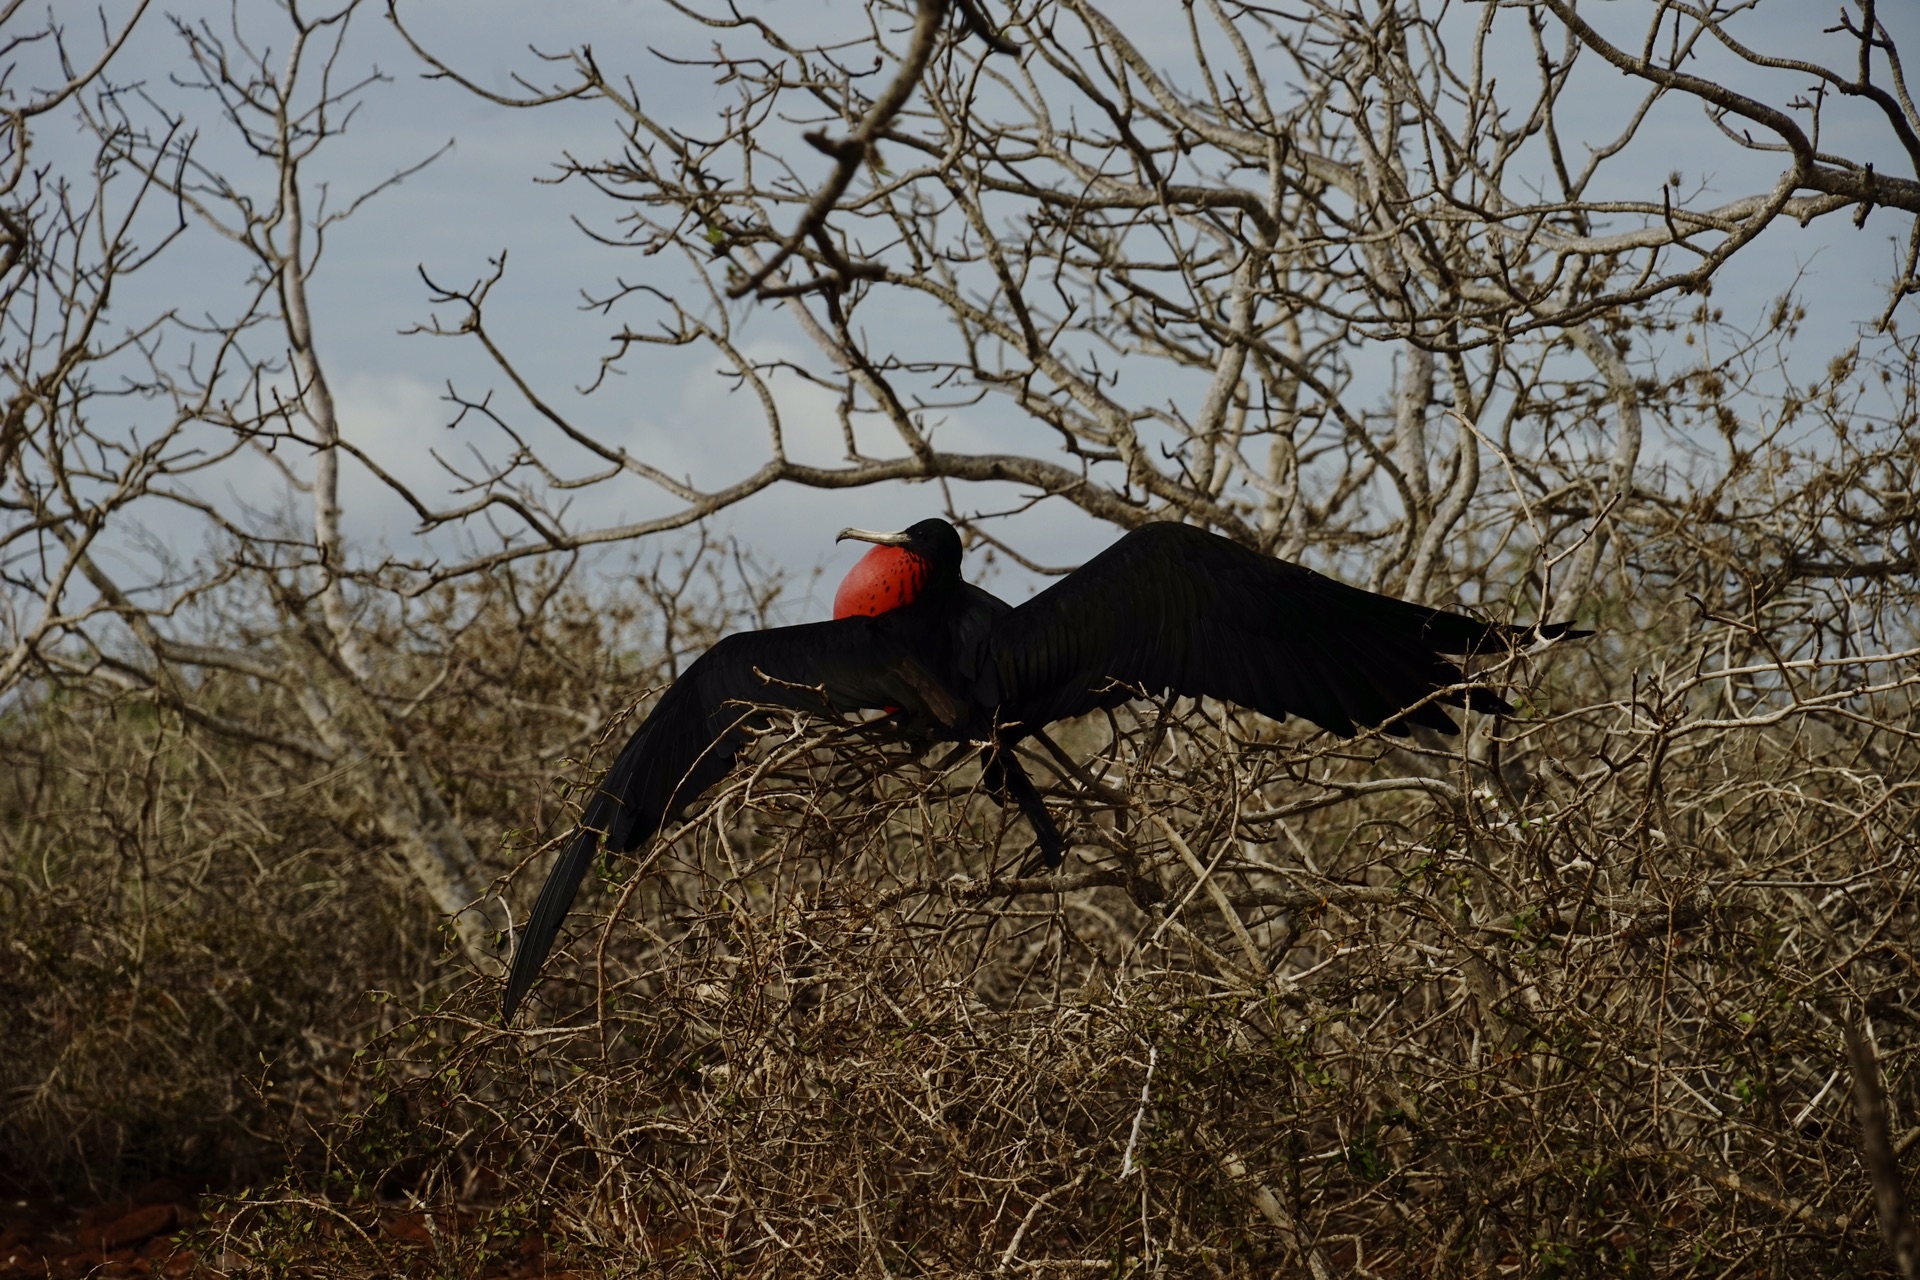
(689, 740)
(1172, 607)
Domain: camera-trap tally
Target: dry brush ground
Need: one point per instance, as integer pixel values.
(1604, 989)
(1565, 995)
(1298, 1006)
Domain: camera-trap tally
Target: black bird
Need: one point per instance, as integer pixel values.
(1167, 607)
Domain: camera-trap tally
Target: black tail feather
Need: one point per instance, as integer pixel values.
(549, 912)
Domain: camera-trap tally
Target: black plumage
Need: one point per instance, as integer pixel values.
(1167, 608)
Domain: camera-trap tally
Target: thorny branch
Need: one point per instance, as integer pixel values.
(1355, 285)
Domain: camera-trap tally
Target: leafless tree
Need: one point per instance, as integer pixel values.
(1083, 202)
(62, 247)
(1389, 287)
(275, 598)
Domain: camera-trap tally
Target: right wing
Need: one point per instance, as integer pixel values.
(689, 741)
(1170, 606)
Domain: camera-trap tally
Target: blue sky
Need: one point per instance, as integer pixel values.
(490, 192)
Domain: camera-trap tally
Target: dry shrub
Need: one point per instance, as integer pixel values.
(193, 917)
(1562, 996)
(171, 932)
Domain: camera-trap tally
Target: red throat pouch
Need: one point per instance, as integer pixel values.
(884, 579)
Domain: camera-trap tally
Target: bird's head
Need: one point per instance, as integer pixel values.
(899, 569)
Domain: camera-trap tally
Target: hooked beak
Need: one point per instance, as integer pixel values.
(871, 535)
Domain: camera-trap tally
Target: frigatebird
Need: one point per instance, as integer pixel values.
(1169, 607)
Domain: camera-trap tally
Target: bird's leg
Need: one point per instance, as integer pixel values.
(994, 778)
(1003, 773)
(1079, 774)
(954, 757)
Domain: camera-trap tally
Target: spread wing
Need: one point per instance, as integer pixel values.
(689, 741)
(1173, 607)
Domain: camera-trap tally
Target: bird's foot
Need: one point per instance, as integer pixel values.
(1040, 861)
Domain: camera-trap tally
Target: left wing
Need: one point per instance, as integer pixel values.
(689, 740)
